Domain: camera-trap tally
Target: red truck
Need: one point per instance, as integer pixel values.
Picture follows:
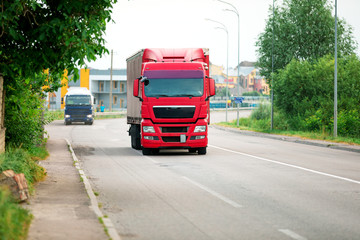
(168, 93)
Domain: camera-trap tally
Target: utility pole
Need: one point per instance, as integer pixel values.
(111, 82)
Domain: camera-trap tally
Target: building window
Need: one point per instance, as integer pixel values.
(121, 103)
(122, 86)
(115, 99)
(115, 84)
(101, 86)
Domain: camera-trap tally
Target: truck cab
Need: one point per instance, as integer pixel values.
(174, 106)
(78, 106)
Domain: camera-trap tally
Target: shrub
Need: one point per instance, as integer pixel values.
(14, 220)
(262, 112)
(20, 161)
(349, 123)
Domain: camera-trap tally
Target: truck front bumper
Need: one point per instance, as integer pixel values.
(85, 119)
(185, 136)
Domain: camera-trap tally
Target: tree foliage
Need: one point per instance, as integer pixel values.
(50, 34)
(44, 34)
(303, 30)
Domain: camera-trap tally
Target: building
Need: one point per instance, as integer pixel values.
(250, 79)
(100, 87)
(98, 82)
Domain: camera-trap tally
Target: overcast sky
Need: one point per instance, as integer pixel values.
(181, 24)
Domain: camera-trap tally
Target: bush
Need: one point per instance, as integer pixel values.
(253, 94)
(349, 123)
(262, 112)
(21, 161)
(304, 95)
(14, 220)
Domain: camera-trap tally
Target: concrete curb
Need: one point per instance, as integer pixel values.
(94, 203)
(319, 143)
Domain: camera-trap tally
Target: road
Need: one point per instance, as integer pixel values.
(245, 187)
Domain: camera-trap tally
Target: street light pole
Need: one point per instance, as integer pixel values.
(335, 75)
(234, 10)
(272, 70)
(227, 61)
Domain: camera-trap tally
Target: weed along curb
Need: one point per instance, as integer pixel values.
(108, 225)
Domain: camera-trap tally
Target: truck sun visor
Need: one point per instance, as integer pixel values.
(174, 74)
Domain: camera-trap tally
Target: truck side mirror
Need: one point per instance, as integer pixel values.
(212, 87)
(62, 100)
(136, 88)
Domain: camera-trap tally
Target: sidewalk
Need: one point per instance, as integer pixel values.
(61, 206)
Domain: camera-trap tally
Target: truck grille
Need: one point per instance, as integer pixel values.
(174, 129)
(174, 111)
(171, 139)
(78, 112)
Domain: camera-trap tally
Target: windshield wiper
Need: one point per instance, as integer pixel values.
(160, 95)
(183, 95)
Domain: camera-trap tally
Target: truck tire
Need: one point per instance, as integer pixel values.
(146, 151)
(135, 136)
(202, 151)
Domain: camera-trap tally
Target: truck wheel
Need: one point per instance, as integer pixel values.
(202, 151)
(146, 151)
(192, 150)
(135, 136)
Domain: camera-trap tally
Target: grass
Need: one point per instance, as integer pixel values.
(14, 220)
(59, 115)
(99, 117)
(264, 127)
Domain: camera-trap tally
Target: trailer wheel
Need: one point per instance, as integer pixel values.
(202, 151)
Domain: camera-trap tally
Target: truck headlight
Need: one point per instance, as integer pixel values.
(148, 129)
(200, 129)
(67, 116)
(89, 116)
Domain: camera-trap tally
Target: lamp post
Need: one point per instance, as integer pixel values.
(272, 70)
(335, 75)
(227, 61)
(234, 10)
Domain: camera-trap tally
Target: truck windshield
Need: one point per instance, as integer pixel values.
(174, 83)
(78, 100)
(180, 87)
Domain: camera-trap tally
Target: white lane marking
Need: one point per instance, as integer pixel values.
(289, 165)
(215, 194)
(292, 234)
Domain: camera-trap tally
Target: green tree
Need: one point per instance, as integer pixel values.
(303, 30)
(44, 34)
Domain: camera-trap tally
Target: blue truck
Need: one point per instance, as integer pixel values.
(79, 106)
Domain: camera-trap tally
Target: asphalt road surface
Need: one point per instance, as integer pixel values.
(245, 187)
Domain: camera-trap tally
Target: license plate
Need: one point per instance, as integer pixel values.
(182, 138)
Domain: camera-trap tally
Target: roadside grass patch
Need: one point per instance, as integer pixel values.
(14, 220)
